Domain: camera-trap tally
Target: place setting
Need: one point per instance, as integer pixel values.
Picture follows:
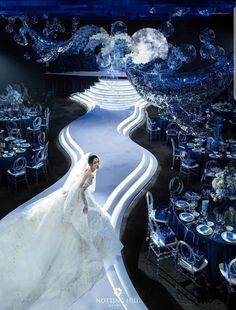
(228, 236)
(186, 216)
(192, 196)
(204, 229)
(181, 204)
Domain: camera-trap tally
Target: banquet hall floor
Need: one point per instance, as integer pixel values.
(153, 293)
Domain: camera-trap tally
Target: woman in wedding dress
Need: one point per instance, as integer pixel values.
(54, 250)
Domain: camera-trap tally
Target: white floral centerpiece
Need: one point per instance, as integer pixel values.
(224, 184)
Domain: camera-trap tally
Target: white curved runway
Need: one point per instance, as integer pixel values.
(125, 170)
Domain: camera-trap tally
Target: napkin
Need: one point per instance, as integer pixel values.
(230, 236)
(204, 229)
(186, 215)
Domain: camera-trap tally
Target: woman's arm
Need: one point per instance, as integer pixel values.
(82, 192)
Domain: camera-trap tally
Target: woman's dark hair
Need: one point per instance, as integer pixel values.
(91, 159)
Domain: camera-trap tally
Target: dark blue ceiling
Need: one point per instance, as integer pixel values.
(119, 9)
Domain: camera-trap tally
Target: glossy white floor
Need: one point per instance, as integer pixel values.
(114, 110)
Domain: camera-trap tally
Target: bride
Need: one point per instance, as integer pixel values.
(54, 250)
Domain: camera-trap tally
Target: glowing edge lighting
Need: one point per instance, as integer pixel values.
(121, 186)
(67, 147)
(72, 141)
(117, 211)
(84, 101)
(136, 121)
(134, 173)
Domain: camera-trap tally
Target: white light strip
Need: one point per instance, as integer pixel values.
(113, 97)
(133, 124)
(111, 280)
(127, 120)
(85, 101)
(72, 141)
(67, 146)
(122, 185)
(127, 284)
(117, 211)
(138, 104)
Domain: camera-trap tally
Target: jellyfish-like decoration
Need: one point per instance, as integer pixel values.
(207, 36)
(167, 29)
(207, 50)
(118, 27)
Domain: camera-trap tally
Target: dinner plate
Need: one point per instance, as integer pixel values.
(229, 228)
(215, 155)
(192, 196)
(10, 139)
(25, 145)
(7, 155)
(18, 151)
(181, 204)
(204, 229)
(186, 216)
(190, 144)
(228, 236)
(231, 156)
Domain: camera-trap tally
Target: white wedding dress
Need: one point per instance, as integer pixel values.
(51, 253)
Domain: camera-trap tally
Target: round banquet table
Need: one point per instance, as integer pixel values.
(216, 249)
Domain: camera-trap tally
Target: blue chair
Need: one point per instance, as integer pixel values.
(36, 165)
(228, 271)
(45, 121)
(188, 262)
(151, 128)
(176, 153)
(162, 242)
(176, 187)
(32, 132)
(41, 139)
(160, 214)
(188, 166)
(171, 131)
(17, 173)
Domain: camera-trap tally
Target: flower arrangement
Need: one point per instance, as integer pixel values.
(224, 184)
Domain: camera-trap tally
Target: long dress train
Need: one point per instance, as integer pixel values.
(51, 253)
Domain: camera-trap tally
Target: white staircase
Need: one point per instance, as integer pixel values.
(110, 94)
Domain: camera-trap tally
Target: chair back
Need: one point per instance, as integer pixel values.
(149, 124)
(47, 112)
(232, 270)
(212, 164)
(11, 125)
(19, 164)
(173, 146)
(172, 126)
(42, 138)
(182, 136)
(39, 157)
(149, 199)
(185, 253)
(184, 156)
(39, 109)
(176, 186)
(45, 151)
(37, 122)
